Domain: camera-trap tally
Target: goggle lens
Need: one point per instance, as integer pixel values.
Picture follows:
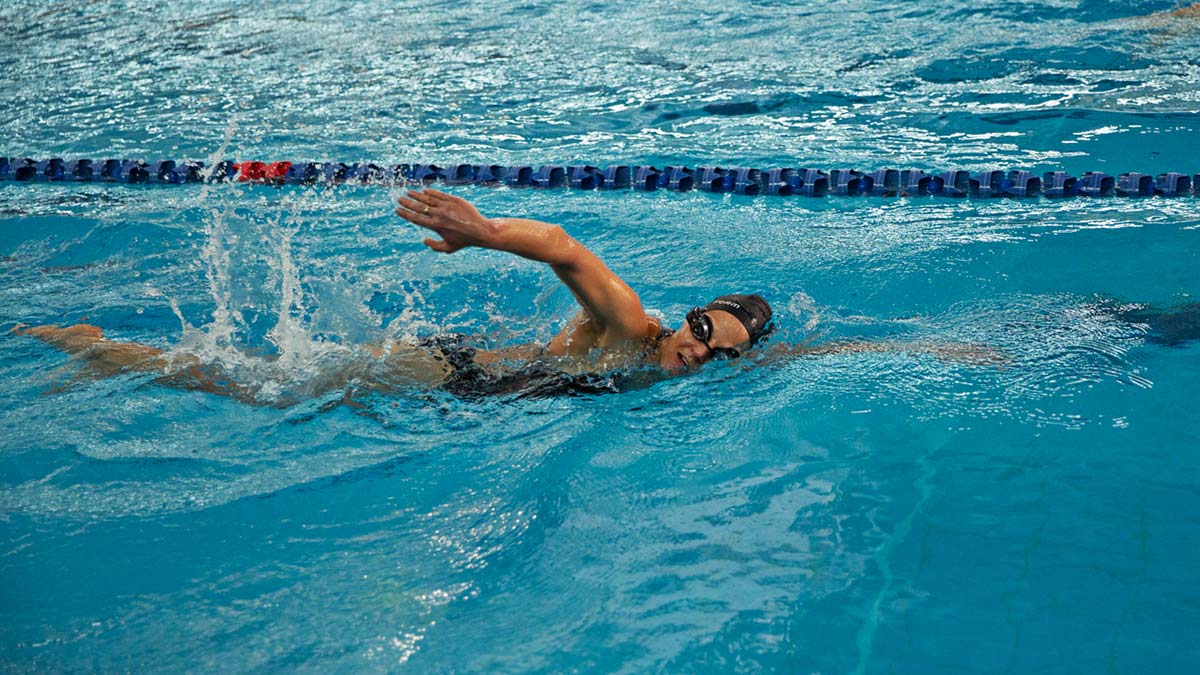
(702, 329)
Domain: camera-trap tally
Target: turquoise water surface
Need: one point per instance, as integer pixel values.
(869, 513)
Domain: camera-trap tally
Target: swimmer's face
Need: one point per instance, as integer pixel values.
(704, 335)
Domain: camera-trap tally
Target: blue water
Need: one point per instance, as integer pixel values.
(869, 513)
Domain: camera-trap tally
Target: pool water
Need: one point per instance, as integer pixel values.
(868, 513)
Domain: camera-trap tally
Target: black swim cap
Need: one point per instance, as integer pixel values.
(751, 310)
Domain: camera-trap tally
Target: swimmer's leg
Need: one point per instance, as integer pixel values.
(69, 339)
(402, 365)
(101, 356)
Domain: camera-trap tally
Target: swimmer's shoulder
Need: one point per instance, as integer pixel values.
(654, 327)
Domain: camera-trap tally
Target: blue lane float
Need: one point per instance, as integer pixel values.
(957, 184)
(811, 183)
(1174, 184)
(781, 182)
(1135, 185)
(885, 183)
(1059, 184)
(1097, 184)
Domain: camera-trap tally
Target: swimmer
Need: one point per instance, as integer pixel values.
(609, 341)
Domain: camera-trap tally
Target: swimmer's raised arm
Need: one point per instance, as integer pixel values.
(608, 301)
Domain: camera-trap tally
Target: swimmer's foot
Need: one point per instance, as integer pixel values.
(69, 339)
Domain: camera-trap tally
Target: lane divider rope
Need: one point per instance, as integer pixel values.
(737, 180)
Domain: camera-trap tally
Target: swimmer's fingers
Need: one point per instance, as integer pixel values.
(425, 196)
(453, 218)
(439, 196)
(432, 200)
(409, 205)
(454, 205)
(451, 206)
(414, 212)
(441, 246)
(433, 210)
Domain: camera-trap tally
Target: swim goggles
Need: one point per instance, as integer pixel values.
(702, 329)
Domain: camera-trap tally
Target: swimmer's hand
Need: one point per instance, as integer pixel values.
(454, 219)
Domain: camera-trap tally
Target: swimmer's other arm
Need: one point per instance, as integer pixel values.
(608, 301)
(950, 351)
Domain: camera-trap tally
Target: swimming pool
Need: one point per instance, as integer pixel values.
(852, 513)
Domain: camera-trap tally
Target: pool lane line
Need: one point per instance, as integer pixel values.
(638, 178)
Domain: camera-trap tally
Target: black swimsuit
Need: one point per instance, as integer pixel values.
(469, 380)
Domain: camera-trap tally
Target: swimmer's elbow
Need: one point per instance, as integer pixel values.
(564, 251)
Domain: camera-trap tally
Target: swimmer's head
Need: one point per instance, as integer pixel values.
(723, 329)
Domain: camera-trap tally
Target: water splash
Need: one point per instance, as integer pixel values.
(295, 361)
